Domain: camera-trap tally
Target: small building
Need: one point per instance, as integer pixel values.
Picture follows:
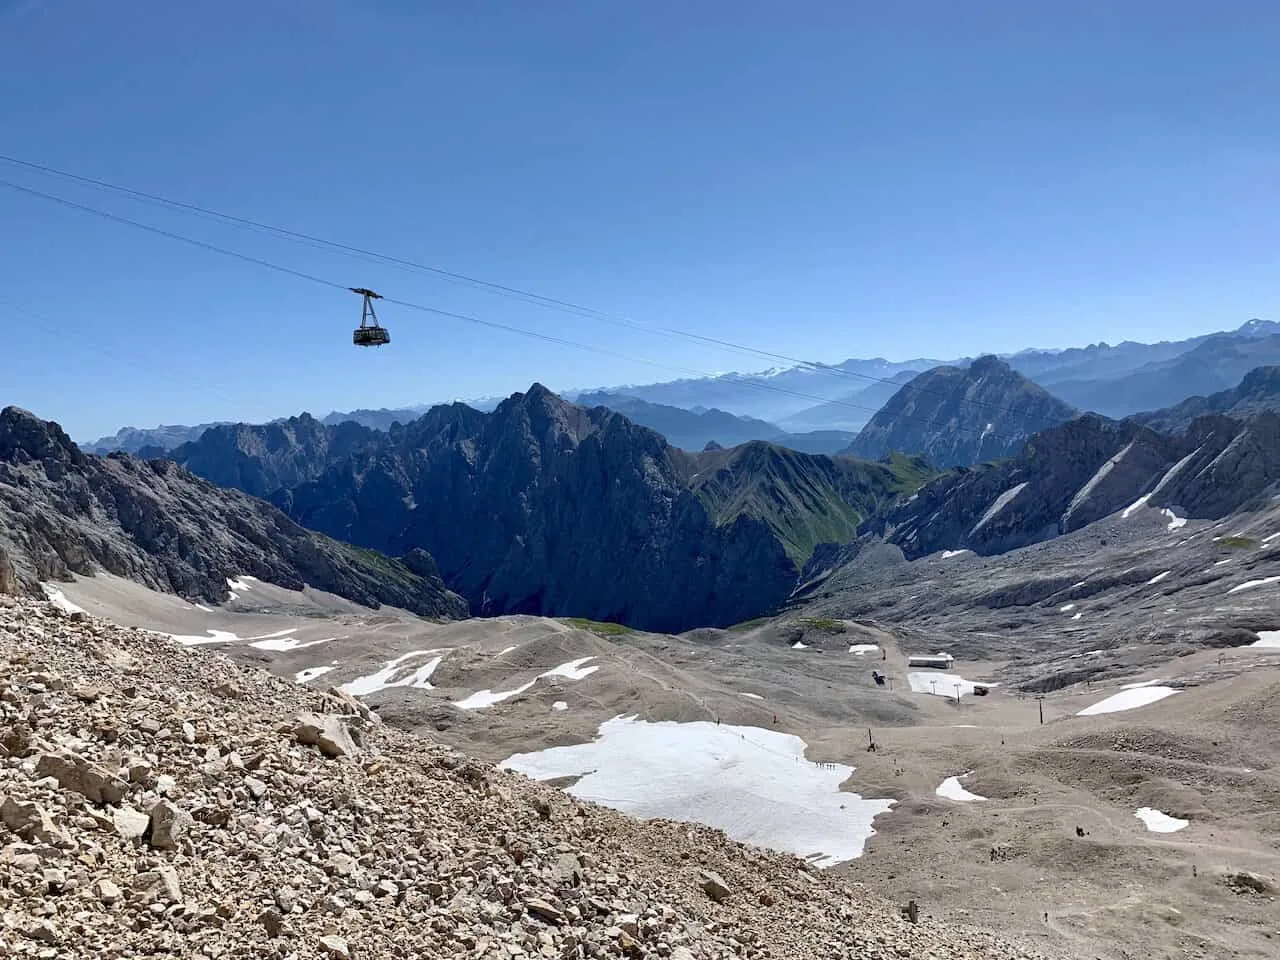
(932, 661)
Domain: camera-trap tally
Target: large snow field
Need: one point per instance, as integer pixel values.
(942, 684)
(1130, 699)
(753, 784)
(1158, 822)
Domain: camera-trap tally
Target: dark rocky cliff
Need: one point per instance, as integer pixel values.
(63, 511)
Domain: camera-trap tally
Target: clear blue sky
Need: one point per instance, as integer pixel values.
(824, 179)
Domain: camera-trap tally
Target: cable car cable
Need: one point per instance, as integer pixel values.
(499, 288)
(302, 275)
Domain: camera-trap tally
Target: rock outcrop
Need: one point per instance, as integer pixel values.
(1087, 469)
(255, 844)
(63, 511)
(958, 416)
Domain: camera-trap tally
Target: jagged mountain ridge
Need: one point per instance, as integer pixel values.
(957, 416)
(63, 511)
(546, 507)
(1082, 471)
(1258, 391)
(260, 459)
(1216, 363)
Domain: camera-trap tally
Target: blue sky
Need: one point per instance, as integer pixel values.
(821, 179)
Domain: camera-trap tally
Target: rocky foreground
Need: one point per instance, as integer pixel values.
(158, 800)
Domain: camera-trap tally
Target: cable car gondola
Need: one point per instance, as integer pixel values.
(369, 334)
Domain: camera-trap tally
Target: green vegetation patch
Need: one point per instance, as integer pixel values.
(599, 627)
(824, 623)
(1237, 543)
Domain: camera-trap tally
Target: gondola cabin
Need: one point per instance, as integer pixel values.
(369, 333)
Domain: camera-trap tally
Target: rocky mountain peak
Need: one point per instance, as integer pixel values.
(959, 416)
(24, 436)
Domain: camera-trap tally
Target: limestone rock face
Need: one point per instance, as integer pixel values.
(1084, 470)
(959, 416)
(63, 511)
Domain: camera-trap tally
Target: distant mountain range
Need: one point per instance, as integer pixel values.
(693, 430)
(957, 416)
(812, 405)
(1257, 392)
(63, 511)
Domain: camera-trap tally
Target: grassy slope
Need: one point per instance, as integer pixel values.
(805, 499)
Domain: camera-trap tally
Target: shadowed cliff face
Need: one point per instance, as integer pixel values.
(957, 416)
(549, 508)
(63, 511)
(1082, 471)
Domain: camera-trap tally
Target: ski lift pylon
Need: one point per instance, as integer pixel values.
(369, 333)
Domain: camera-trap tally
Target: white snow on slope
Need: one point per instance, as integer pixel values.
(1158, 577)
(998, 504)
(1269, 537)
(487, 698)
(1168, 475)
(1267, 639)
(948, 554)
(215, 636)
(1158, 822)
(861, 649)
(753, 696)
(573, 670)
(1128, 700)
(1250, 584)
(418, 679)
(950, 789)
(1077, 616)
(285, 644)
(310, 673)
(1096, 479)
(201, 606)
(1175, 521)
(1066, 608)
(753, 784)
(59, 599)
(798, 645)
(278, 633)
(560, 706)
(505, 650)
(1141, 683)
(942, 684)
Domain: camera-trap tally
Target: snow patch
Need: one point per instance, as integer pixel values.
(942, 684)
(573, 670)
(950, 789)
(285, 644)
(310, 673)
(1096, 479)
(861, 649)
(1158, 822)
(998, 504)
(1158, 577)
(201, 606)
(1169, 475)
(799, 645)
(215, 636)
(1066, 608)
(948, 554)
(1077, 616)
(1131, 699)
(59, 599)
(753, 696)
(1175, 521)
(1267, 639)
(753, 784)
(418, 679)
(560, 706)
(1250, 584)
